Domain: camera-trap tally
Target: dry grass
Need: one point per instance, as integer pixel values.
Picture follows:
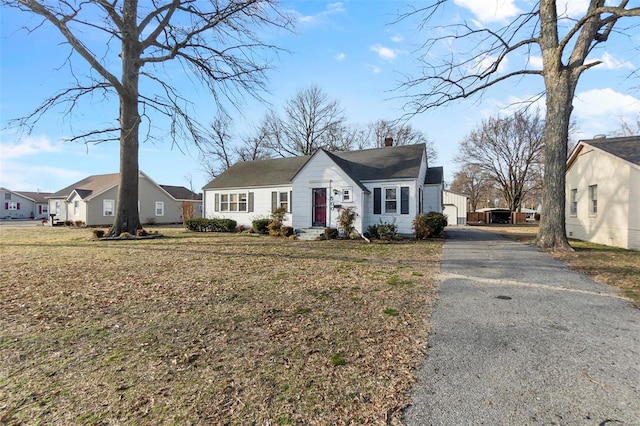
(209, 328)
(609, 265)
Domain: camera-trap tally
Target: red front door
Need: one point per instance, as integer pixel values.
(319, 207)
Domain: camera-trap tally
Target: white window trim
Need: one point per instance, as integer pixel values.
(593, 201)
(241, 202)
(76, 207)
(347, 194)
(385, 199)
(283, 204)
(105, 212)
(12, 205)
(573, 207)
(159, 207)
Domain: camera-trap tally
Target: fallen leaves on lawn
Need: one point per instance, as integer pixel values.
(210, 328)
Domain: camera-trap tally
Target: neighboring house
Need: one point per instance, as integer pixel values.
(390, 184)
(93, 201)
(23, 205)
(603, 192)
(455, 207)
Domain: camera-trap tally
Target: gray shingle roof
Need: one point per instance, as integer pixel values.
(247, 174)
(435, 175)
(87, 186)
(627, 148)
(181, 193)
(395, 162)
(38, 197)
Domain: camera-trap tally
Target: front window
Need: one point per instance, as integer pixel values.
(57, 207)
(76, 207)
(236, 202)
(7, 195)
(390, 200)
(574, 202)
(108, 207)
(159, 208)
(283, 201)
(346, 195)
(593, 200)
(12, 206)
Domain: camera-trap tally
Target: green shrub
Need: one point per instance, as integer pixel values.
(260, 226)
(330, 233)
(536, 217)
(428, 225)
(202, 224)
(383, 230)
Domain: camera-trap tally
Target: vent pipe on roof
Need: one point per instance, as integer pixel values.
(388, 141)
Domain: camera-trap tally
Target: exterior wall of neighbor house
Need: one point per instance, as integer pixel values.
(58, 207)
(610, 225)
(634, 209)
(455, 207)
(149, 194)
(15, 206)
(258, 204)
(79, 214)
(95, 208)
(321, 172)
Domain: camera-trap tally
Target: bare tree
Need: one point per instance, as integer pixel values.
(564, 42)
(472, 181)
(216, 42)
(402, 134)
(630, 128)
(311, 121)
(216, 149)
(507, 150)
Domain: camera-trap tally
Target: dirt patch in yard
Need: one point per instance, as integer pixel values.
(209, 328)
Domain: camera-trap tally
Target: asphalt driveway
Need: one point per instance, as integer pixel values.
(520, 339)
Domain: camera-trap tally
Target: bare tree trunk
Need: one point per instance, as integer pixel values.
(560, 91)
(127, 218)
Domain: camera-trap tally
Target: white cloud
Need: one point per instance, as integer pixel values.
(610, 62)
(397, 38)
(600, 111)
(384, 52)
(32, 145)
(340, 57)
(483, 64)
(535, 62)
(331, 9)
(19, 176)
(490, 10)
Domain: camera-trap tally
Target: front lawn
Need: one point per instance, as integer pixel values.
(209, 328)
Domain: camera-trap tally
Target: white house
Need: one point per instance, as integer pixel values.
(93, 201)
(455, 207)
(390, 184)
(603, 192)
(23, 205)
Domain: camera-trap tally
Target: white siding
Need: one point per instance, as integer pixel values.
(616, 221)
(321, 172)
(261, 204)
(404, 222)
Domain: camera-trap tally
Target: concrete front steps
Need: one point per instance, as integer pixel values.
(309, 234)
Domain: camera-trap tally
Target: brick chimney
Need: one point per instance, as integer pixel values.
(388, 141)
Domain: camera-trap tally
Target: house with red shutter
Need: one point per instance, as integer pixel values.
(23, 204)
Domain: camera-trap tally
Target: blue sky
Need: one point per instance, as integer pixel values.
(350, 49)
